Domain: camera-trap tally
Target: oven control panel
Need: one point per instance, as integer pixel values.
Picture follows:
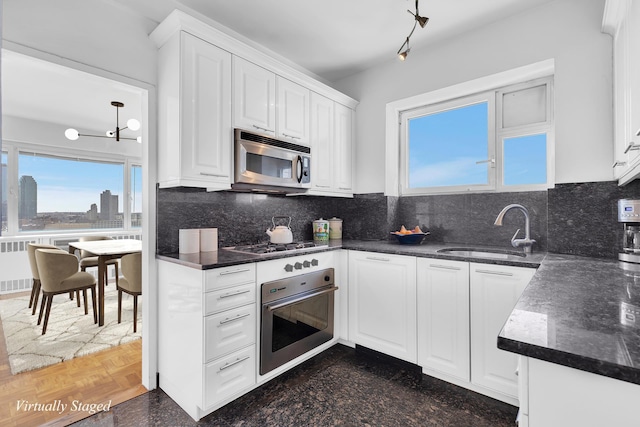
(276, 269)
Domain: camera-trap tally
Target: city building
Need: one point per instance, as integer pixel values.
(28, 206)
(108, 205)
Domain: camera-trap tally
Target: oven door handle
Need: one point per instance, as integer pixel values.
(272, 307)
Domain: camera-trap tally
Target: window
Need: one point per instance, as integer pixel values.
(3, 179)
(56, 193)
(498, 140)
(136, 196)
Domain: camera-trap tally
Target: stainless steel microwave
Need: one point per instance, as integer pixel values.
(263, 163)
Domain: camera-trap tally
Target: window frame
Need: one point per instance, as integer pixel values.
(487, 97)
(13, 150)
(393, 109)
(495, 139)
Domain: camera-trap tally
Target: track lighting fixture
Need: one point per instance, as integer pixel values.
(132, 124)
(422, 20)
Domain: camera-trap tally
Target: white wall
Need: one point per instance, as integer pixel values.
(566, 30)
(97, 33)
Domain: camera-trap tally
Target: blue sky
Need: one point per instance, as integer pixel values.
(72, 186)
(445, 146)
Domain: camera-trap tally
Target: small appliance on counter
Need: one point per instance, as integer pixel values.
(280, 234)
(321, 231)
(335, 229)
(629, 216)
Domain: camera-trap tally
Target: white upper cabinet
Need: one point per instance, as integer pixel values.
(331, 148)
(254, 97)
(293, 111)
(622, 21)
(210, 83)
(322, 138)
(194, 109)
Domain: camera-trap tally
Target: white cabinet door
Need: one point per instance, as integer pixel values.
(495, 289)
(194, 97)
(633, 26)
(206, 117)
(229, 375)
(254, 97)
(292, 111)
(621, 100)
(322, 139)
(443, 316)
(343, 149)
(382, 303)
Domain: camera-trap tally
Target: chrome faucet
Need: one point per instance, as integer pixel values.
(527, 242)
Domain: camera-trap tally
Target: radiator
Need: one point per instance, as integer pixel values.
(15, 273)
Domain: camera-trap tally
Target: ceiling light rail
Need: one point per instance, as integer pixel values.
(132, 124)
(422, 20)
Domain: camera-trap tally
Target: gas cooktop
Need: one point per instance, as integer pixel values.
(273, 248)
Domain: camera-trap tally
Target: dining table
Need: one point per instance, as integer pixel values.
(106, 250)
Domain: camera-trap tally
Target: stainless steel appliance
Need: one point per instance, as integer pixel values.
(263, 163)
(297, 316)
(266, 249)
(629, 216)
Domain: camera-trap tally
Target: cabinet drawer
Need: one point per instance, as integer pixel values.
(229, 375)
(228, 298)
(229, 276)
(228, 331)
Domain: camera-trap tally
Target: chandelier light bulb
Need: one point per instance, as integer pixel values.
(71, 134)
(110, 133)
(139, 139)
(133, 124)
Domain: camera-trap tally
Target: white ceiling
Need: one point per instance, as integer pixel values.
(336, 38)
(330, 38)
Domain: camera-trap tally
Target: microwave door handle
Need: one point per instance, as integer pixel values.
(299, 169)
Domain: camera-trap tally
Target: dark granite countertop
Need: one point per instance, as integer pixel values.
(225, 258)
(573, 313)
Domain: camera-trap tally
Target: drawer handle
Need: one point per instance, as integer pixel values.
(344, 188)
(238, 317)
(225, 273)
(291, 136)
(264, 129)
(214, 174)
(446, 267)
(373, 258)
(235, 362)
(497, 273)
(233, 294)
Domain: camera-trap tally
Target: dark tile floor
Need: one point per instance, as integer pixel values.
(339, 387)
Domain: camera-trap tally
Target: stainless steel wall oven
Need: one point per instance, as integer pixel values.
(297, 316)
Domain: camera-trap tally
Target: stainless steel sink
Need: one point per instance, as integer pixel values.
(482, 253)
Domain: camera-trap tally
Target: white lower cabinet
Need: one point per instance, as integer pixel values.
(495, 289)
(206, 334)
(382, 303)
(443, 317)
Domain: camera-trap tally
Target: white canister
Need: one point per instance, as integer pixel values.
(208, 239)
(189, 241)
(321, 231)
(335, 228)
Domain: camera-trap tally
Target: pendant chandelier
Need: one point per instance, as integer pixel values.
(422, 20)
(132, 124)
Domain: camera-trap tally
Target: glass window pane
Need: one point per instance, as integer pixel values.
(68, 194)
(3, 179)
(445, 146)
(523, 107)
(525, 160)
(136, 196)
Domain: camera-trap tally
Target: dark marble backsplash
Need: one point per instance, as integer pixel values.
(578, 219)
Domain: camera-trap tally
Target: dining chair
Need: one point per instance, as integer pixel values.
(59, 274)
(88, 260)
(131, 283)
(35, 287)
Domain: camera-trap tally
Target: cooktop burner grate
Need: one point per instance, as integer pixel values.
(270, 248)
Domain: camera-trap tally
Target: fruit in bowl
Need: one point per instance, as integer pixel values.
(410, 237)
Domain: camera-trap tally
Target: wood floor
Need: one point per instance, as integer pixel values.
(113, 375)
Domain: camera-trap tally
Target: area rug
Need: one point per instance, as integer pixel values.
(70, 333)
